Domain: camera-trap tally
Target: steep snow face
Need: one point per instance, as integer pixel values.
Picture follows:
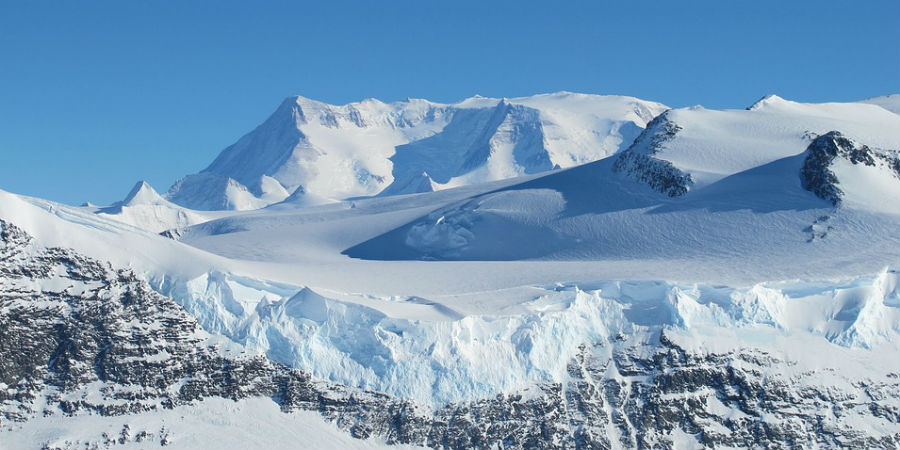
(312, 151)
(579, 128)
(370, 147)
(888, 102)
(477, 145)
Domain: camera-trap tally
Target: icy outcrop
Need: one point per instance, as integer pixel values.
(817, 174)
(639, 162)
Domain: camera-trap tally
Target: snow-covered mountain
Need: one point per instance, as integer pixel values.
(313, 152)
(728, 279)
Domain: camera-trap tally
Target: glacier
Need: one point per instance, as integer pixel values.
(441, 356)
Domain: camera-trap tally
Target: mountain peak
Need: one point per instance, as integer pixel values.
(142, 194)
(766, 100)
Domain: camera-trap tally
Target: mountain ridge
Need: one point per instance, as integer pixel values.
(360, 148)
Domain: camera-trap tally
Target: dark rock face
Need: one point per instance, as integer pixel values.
(816, 175)
(639, 163)
(77, 335)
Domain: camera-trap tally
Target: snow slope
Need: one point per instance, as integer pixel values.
(888, 102)
(104, 238)
(312, 149)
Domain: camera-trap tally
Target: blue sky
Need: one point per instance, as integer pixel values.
(97, 95)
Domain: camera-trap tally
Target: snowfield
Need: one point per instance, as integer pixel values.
(389, 248)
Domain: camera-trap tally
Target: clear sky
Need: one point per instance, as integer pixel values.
(96, 95)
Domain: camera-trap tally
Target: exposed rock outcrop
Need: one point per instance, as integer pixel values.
(640, 163)
(817, 175)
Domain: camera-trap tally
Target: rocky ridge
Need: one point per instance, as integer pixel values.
(639, 163)
(817, 175)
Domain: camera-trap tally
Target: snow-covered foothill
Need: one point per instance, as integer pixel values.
(144, 208)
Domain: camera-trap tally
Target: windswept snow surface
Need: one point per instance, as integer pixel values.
(315, 152)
